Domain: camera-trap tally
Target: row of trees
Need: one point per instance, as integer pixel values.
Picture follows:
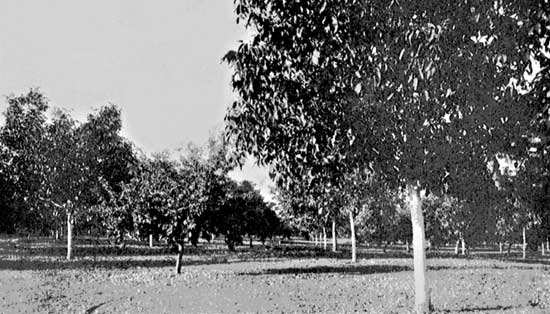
(58, 172)
(383, 218)
(420, 97)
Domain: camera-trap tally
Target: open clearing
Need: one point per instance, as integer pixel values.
(35, 278)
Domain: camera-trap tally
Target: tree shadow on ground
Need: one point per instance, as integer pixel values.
(79, 250)
(53, 248)
(483, 309)
(357, 269)
(347, 270)
(91, 264)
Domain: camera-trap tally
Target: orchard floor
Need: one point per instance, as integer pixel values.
(35, 278)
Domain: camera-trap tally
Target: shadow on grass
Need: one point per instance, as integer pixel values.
(89, 264)
(347, 270)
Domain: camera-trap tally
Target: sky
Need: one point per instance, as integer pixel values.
(159, 61)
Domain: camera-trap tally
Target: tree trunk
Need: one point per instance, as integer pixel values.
(324, 238)
(500, 248)
(542, 246)
(353, 244)
(315, 239)
(178, 260)
(463, 246)
(408, 247)
(547, 245)
(422, 298)
(69, 236)
(334, 241)
(56, 234)
(151, 240)
(524, 244)
(456, 246)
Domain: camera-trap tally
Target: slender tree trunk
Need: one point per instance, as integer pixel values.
(500, 248)
(324, 238)
(422, 298)
(463, 246)
(178, 260)
(408, 247)
(524, 244)
(547, 245)
(56, 234)
(456, 246)
(151, 240)
(334, 241)
(542, 246)
(69, 236)
(315, 239)
(353, 243)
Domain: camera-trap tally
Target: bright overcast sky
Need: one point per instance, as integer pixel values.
(159, 61)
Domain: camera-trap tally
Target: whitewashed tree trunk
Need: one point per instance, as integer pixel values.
(315, 239)
(463, 246)
(178, 260)
(408, 247)
(69, 236)
(524, 244)
(151, 240)
(334, 241)
(456, 246)
(501, 251)
(422, 298)
(542, 246)
(353, 243)
(324, 238)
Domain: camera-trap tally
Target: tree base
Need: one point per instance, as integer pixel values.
(424, 308)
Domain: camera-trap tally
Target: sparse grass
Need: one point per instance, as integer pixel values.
(295, 278)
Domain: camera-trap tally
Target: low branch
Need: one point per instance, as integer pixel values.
(52, 202)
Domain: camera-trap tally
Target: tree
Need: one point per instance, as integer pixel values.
(539, 162)
(23, 144)
(86, 164)
(420, 90)
(166, 199)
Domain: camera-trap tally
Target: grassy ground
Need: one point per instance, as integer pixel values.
(35, 278)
